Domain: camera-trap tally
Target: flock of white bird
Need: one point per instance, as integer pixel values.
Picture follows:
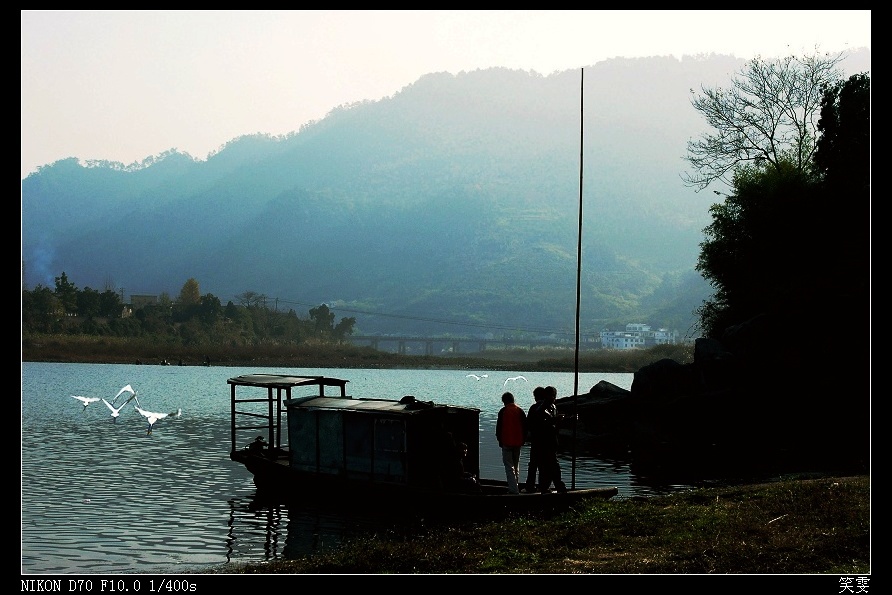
(151, 416)
(480, 377)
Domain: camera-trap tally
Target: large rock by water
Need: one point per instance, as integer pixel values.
(606, 413)
(749, 397)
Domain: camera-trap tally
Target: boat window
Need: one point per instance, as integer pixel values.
(358, 445)
(331, 441)
(302, 439)
(390, 449)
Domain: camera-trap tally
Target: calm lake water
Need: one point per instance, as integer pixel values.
(103, 496)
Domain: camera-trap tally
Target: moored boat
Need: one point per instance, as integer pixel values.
(327, 446)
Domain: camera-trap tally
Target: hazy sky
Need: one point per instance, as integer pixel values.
(126, 85)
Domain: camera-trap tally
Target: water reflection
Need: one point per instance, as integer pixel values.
(263, 530)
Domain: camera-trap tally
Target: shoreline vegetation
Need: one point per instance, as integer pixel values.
(126, 350)
(791, 526)
(795, 525)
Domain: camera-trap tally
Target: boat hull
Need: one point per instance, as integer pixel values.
(277, 481)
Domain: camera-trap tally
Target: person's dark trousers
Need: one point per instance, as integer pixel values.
(532, 469)
(549, 472)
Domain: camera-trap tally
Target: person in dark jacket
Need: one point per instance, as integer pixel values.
(532, 465)
(454, 476)
(467, 481)
(258, 446)
(547, 422)
(511, 432)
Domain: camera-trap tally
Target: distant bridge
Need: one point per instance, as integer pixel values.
(458, 345)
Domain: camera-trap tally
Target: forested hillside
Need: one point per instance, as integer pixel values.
(449, 207)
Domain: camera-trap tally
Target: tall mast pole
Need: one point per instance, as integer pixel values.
(578, 281)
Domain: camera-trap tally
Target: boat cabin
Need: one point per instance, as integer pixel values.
(315, 429)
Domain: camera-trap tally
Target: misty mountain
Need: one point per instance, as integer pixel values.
(449, 207)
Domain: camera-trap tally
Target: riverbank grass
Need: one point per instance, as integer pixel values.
(793, 526)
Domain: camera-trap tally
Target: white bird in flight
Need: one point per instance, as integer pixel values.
(126, 389)
(153, 417)
(85, 400)
(116, 411)
(476, 377)
(507, 380)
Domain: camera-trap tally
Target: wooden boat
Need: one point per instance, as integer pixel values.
(325, 446)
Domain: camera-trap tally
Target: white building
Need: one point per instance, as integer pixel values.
(637, 336)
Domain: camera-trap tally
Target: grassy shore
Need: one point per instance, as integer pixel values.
(791, 526)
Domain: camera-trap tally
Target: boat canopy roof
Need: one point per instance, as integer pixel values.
(284, 381)
(405, 406)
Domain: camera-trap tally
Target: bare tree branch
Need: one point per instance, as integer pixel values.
(769, 114)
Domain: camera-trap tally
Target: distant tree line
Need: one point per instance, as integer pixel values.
(190, 320)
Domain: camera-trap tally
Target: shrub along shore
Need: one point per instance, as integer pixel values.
(149, 351)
